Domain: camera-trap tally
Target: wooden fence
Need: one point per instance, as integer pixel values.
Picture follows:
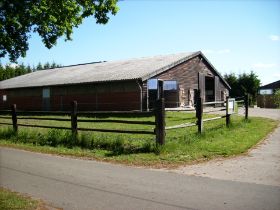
(158, 113)
(244, 100)
(200, 105)
(199, 109)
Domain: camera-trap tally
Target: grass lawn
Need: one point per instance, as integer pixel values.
(183, 146)
(12, 200)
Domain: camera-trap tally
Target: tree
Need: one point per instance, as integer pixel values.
(277, 98)
(54, 65)
(243, 84)
(232, 80)
(249, 84)
(39, 66)
(47, 65)
(28, 69)
(51, 19)
(10, 71)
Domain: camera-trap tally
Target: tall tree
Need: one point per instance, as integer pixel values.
(28, 69)
(243, 84)
(249, 83)
(232, 80)
(39, 66)
(47, 65)
(51, 19)
(8, 71)
(54, 65)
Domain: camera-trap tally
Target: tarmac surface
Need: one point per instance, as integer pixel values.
(261, 165)
(81, 184)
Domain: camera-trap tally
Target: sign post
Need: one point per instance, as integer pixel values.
(230, 109)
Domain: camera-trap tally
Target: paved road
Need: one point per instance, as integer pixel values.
(260, 112)
(81, 184)
(261, 165)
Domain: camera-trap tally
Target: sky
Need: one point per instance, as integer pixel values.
(237, 36)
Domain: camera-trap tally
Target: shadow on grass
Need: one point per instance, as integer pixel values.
(129, 151)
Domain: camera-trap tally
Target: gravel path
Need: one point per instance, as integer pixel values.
(261, 165)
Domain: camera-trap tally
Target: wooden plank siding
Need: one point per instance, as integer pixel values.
(186, 74)
(113, 96)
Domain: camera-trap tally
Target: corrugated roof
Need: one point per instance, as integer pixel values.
(140, 68)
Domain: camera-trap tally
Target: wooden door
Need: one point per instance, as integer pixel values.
(217, 89)
(201, 85)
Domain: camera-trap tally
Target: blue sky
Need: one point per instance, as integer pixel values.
(236, 36)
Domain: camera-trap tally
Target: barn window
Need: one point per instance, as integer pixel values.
(46, 92)
(4, 97)
(170, 85)
(152, 84)
(266, 92)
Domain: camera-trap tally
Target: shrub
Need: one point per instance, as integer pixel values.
(277, 98)
(7, 133)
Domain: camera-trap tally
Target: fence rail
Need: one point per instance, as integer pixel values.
(158, 112)
(184, 125)
(213, 102)
(120, 121)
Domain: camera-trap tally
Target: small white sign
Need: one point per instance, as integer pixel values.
(230, 106)
(4, 97)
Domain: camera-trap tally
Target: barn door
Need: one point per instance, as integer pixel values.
(201, 85)
(217, 89)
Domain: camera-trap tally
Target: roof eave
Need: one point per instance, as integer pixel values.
(215, 70)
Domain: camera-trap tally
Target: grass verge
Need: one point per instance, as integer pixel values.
(12, 200)
(183, 146)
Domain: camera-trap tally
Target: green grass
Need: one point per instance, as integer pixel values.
(182, 146)
(11, 200)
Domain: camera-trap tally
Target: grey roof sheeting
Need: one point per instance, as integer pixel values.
(141, 68)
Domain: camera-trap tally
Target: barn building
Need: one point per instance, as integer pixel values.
(266, 98)
(117, 85)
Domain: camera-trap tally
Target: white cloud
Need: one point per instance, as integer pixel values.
(222, 51)
(264, 65)
(12, 65)
(274, 37)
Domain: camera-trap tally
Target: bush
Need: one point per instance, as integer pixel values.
(277, 98)
(7, 133)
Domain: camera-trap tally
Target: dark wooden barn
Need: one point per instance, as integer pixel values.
(266, 97)
(117, 85)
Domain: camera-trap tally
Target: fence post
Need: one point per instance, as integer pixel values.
(160, 121)
(14, 117)
(199, 113)
(227, 114)
(246, 102)
(160, 90)
(74, 126)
